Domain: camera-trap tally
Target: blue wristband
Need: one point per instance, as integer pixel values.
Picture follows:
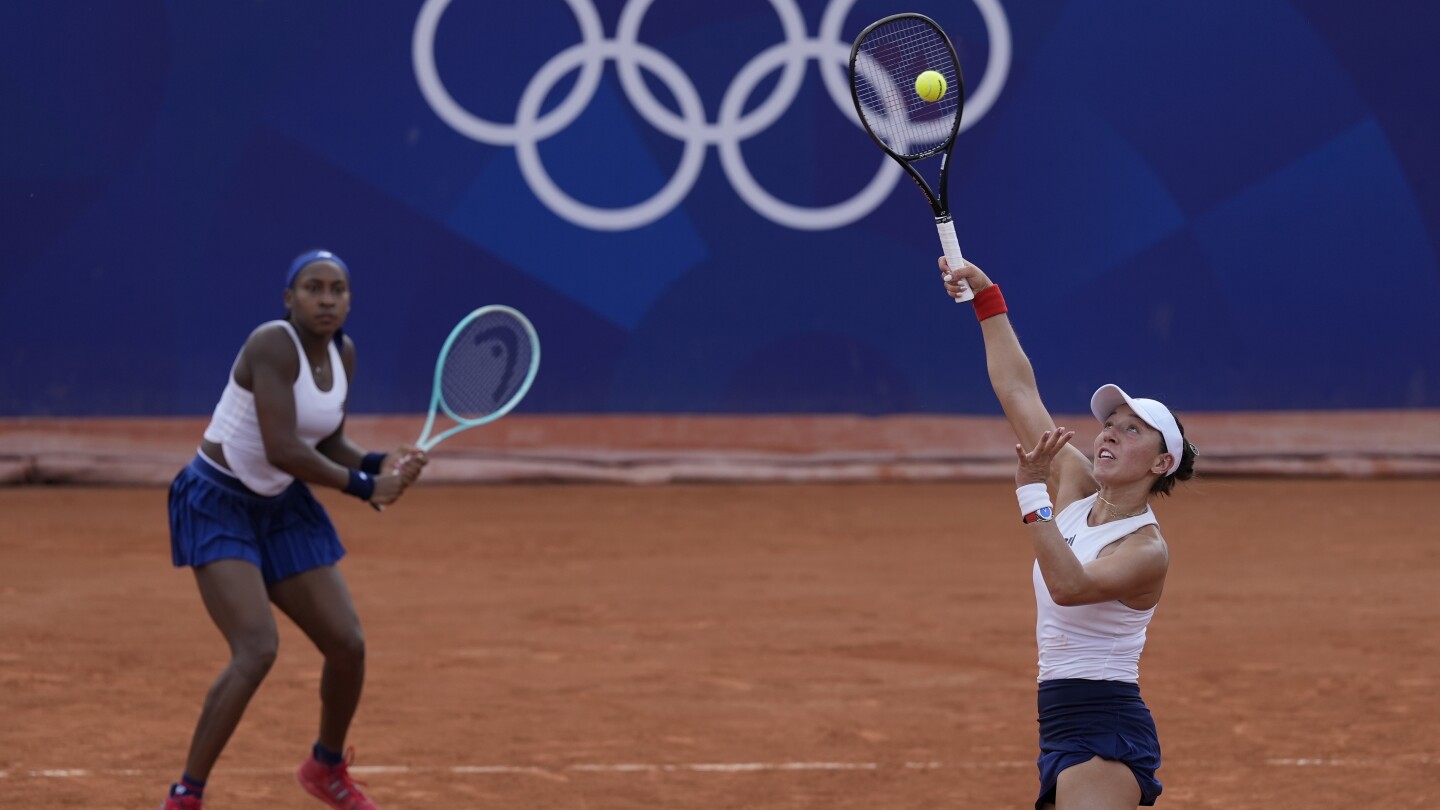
(371, 463)
(361, 485)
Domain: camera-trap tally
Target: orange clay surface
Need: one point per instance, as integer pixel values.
(794, 646)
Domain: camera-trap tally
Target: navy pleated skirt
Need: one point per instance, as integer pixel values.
(215, 517)
(1082, 719)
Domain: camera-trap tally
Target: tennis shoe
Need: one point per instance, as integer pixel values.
(183, 801)
(333, 785)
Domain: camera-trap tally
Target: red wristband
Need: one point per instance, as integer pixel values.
(989, 302)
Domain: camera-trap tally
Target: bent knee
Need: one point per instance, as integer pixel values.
(346, 649)
(253, 658)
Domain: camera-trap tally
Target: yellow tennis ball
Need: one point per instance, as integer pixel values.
(930, 85)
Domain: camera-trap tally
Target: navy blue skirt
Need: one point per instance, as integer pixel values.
(1082, 719)
(215, 517)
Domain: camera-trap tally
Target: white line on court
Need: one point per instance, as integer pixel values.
(1309, 762)
(61, 773)
(699, 767)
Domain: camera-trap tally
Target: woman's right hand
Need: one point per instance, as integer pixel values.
(388, 487)
(968, 273)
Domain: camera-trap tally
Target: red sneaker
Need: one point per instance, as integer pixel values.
(184, 801)
(332, 785)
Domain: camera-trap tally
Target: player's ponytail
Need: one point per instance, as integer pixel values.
(1184, 472)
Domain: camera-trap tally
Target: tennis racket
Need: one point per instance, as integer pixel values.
(485, 368)
(885, 62)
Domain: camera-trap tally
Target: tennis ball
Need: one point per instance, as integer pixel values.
(930, 85)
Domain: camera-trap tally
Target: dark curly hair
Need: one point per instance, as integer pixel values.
(1184, 472)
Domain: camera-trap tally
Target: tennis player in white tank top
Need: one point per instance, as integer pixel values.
(243, 517)
(1100, 566)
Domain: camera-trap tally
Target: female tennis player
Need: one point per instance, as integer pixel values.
(1100, 565)
(243, 518)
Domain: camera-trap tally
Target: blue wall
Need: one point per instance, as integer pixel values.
(1227, 205)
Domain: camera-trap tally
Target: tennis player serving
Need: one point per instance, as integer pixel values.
(243, 518)
(1100, 566)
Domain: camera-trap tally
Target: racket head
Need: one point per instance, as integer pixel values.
(886, 59)
(485, 368)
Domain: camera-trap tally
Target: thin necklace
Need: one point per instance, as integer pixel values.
(1116, 513)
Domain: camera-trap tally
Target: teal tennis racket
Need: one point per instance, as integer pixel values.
(485, 368)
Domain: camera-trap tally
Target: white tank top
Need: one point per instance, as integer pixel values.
(1100, 642)
(235, 427)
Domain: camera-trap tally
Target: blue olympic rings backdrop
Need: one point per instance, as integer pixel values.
(1228, 205)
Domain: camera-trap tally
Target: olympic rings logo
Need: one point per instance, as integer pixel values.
(690, 126)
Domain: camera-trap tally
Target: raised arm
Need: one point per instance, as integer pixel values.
(1013, 379)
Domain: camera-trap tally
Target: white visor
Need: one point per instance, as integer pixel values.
(1109, 397)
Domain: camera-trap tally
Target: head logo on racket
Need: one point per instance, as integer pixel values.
(485, 368)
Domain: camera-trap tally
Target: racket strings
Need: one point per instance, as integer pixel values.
(887, 62)
(486, 366)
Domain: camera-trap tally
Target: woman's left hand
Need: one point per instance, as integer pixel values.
(1035, 465)
(406, 462)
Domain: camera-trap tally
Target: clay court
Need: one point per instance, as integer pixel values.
(750, 541)
(864, 645)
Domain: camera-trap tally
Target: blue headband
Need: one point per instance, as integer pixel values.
(312, 256)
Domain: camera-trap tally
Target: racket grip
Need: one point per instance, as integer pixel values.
(951, 244)
(377, 507)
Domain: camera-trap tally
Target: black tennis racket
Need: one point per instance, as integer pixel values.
(886, 66)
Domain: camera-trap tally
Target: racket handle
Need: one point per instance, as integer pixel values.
(377, 507)
(951, 244)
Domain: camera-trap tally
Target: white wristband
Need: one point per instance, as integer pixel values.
(1032, 497)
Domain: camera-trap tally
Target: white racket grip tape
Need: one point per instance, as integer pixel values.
(951, 244)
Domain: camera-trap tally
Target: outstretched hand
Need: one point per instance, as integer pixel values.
(968, 274)
(1035, 465)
